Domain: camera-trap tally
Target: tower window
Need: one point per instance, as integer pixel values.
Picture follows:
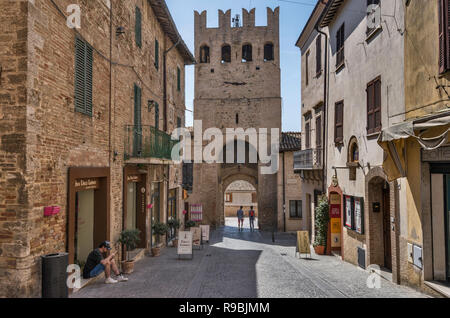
(247, 53)
(237, 119)
(204, 54)
(226, 54)
(268, 52)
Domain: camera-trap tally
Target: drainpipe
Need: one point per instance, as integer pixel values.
(325, 112)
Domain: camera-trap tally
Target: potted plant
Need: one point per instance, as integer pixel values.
(190, 224)
(129, 239)
(158, 229)
(174, 225)
(321, 222)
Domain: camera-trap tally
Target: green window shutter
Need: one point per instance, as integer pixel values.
(83, 77)
(157, 54)
(138, 28)
(178, 79)
(157, 116)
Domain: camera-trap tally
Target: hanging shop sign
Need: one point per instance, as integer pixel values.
(86, 184)
(205, 233)
(303, 244)
(185, 243)
(196, 236)
(196, 212)
(133, 178)
(359, 215)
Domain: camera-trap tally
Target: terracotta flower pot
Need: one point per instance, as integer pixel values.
(320, 249)
(156, 251)
(127, 267)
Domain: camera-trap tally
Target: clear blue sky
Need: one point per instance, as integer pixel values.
(293, 16)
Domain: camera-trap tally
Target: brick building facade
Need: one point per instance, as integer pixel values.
(78, 111)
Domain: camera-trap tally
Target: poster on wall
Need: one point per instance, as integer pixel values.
(185, 243)
(196, 236)
(348, 222)
(359, 215)
(196, 212)
(205, 233)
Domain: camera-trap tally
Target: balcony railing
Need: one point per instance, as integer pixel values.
(147, 142)
(310, 159)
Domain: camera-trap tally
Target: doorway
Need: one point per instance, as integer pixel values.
(172, 211)
(240, 193)
(84, 227)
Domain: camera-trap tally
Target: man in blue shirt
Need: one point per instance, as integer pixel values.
(240, 216)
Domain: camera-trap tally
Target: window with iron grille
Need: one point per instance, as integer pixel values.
(444, 36)
(295, 209)
(374, 106)
(339, 122)
(83, 76)
(138, 27)
(318, 54)
(340, 39)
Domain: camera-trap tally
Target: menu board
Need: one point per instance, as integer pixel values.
(196, 212)
(359, 215)
(185, 243)
(348, 222)
(196, 236)
(303, 244)
(205, 232)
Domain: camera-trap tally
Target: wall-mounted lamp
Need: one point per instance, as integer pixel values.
(120, 30)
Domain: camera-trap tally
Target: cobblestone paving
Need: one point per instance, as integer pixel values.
(245, 265)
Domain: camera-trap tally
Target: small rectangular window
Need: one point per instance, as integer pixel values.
(318, 132)
(339, 122)
(157, 116)
(318, 54)
(157, 54)
(178, 79)
(307, 69)
(295, 209)
(340, 39)
(83, 76)
(444, 36)
(308, 135)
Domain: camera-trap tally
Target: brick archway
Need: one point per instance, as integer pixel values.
(375, 183)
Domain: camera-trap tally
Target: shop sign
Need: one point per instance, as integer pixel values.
(133, 178)
(303, 244)
(205, 232)
(86, 184)
(185, 243)
(196, 236)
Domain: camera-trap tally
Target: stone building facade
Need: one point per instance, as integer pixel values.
(79, 115)
(237, 85)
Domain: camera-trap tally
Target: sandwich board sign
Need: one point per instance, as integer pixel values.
(185, 244)
(303, 244)
(196, 236)
(205, 233)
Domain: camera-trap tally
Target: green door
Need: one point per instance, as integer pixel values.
(447, 222)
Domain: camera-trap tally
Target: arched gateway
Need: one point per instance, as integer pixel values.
(237, 94)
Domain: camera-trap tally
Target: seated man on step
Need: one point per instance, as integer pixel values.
(96, 264)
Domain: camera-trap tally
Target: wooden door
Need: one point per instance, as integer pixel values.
(387, 230)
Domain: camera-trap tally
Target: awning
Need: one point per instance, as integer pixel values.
(392, 140)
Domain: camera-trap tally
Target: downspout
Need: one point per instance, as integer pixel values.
(325, 112)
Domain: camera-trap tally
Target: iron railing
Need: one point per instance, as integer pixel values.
(147, 142)
(309, 159)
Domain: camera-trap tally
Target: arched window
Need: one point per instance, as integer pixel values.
(226, 53)
(204, 54)
(353, 151)
(247, 53)
(268, 52)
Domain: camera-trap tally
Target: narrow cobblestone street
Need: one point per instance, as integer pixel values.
(245, 265)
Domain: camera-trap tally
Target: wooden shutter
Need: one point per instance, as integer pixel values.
(444, 34)
(157, 54)
(318, 54)
(370, 109)
(308, 135)
(83, 76)
(377, 105)
(374, 106)
(157, 116)
(339, 122)
(138, 27)
(319, 132)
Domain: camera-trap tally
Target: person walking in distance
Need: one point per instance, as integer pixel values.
(240, 216)
(251, 217)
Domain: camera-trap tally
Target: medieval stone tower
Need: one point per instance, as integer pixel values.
(237, 85)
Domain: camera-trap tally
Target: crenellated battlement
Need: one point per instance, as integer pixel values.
(248, 19)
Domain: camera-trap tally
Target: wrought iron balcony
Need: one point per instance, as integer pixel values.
(147, 142)
(309, 159)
